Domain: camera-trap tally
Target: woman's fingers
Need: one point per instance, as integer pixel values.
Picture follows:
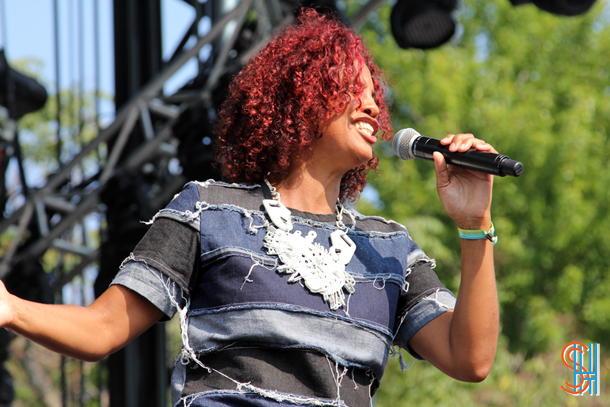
(466, 141)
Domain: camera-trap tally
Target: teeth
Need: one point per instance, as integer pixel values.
(367, 128)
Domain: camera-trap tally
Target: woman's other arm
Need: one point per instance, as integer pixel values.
(462, 343)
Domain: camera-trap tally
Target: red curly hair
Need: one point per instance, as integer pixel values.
(302, 78)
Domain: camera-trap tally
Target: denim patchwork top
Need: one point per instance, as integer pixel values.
(251, 337)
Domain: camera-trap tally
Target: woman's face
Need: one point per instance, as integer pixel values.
(348, 137)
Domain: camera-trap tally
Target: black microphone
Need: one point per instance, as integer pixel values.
(408, 144)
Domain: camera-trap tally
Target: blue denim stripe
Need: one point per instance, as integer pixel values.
(186, 200)
(270, 260)
(240, 280)
(348, 344)
(292, 308)
(228, 251)
(229, 398)
(375, 253)
(182, 217)
(222, 227)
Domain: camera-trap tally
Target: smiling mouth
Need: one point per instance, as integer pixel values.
(366, 128)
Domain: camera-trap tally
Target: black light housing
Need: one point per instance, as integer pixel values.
(561, 7)
(423, 24)
(19, 93)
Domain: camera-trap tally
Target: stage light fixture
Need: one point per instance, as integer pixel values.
(423, 24)
(19, 93)
(561, 7)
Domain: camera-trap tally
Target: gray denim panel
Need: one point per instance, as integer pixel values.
(300, 372)
(430, 307)
(348, 344)
(248, 197)
(150, 284)
(171, 247)
(420, 282)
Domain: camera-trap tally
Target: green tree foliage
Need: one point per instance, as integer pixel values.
(536, 86)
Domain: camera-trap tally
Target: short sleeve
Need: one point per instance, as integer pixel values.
(172, 244)
(420, 314)
(423, 299)
(153, 285)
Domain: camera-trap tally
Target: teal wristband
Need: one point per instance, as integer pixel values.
(479, 234)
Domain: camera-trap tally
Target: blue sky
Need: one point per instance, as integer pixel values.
(28, 31)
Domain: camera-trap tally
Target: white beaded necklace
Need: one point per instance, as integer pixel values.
(322, 271)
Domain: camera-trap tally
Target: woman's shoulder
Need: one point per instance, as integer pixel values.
(377, 224)
(212, 192)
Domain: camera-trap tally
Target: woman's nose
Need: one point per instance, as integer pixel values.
(369, 106)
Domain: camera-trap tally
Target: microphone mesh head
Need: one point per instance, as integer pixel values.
(402, 143)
